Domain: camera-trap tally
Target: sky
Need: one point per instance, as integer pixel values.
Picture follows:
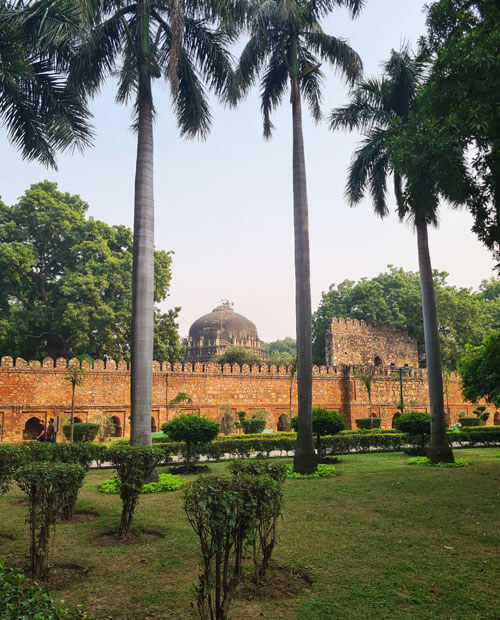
(224, 205)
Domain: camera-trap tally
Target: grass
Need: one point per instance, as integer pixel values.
(380, 540)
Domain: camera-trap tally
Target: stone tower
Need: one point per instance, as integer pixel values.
(213, 333)
(349, 342)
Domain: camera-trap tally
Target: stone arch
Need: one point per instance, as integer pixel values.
(496, 418)
(283, 422)
(118, 426)
(153, 424)
(77, 420)
(31, 428)
(377, 361)
(394, 418)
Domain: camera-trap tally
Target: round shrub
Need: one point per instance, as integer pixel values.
(464, 421)
(324, 422)
(82, 431)
(253, 425)
(414, 423)
(365, 423)
(192, 430)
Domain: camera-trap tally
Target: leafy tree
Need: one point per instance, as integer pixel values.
(65, 281)
(75, 376)
(191, 429)
(139, 42)
(393, 299)
(287, 345)
(166, 343)
(461, 98)
(382, 109)
(365, 376)
(324, 422)
(39, 110)
(236, 354)
(416, 424)
(288, 45)
(480, 371)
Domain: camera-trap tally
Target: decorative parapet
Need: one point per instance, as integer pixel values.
(210, 368)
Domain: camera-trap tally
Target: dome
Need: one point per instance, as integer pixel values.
(212, 333)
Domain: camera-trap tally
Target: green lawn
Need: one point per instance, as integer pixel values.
(381, 540)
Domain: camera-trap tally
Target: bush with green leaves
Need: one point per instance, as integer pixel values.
(417, 425)
(166, 482)
(23, 599)
(466, 421)
(133, 465)
(259, 467)
(191, 429)
(322, 471)
(11, 458)
(365, 423)
(324, 422)
(82, 431)
(49, 487)
(227, 422)
(423, 461)
(253, 425)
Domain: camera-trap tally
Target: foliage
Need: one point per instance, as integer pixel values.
(39, 109)
(465, 421)
(166, 482)
(323, 471)
(287, 345)
(460, 97)
(106, 426)
(367, 422)
(82, 431)
(415, 424)
(167, 346)
(393, 299)
(424, 461)
(65, 280)
(192, 430)
(22, 599)
(49, 487)
(11, 458)
(480, 371)
(237, 354)
(253, 425)
(259, 467)
(227, 421)
(324, 422)
(133, 465)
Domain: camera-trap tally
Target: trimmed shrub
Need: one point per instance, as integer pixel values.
(418, 426)
(49, 487)
(133, 465)
(166, 482)
(82, 431)
(365, 423)
(11, 457)
(253, 425)
(257, 467)
(324, 422)
(470, 421)
(191, 429)
(22, 598)
(322, 471)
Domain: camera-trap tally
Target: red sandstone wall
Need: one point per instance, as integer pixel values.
(35, 390)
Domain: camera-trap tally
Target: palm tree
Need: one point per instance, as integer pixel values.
(375, 106)
(142, 41)
(365, 377)
(287, 45)
(40, 112)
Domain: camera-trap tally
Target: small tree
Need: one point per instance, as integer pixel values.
(227, 421)
(481, 413)
(75, 375)
(324, 423)
(236, 354)
(11, 458)
(106, 426)
(365, 376)
(133, 465)
(191, 429)
(48, 486)
(417, 425)
(182, 398)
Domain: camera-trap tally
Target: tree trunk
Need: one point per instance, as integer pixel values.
(143, 271)
(439, 449)
(305, 460)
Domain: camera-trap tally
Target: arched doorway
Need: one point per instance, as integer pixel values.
(394, 418)
(118, 426)
(31, 428)
(283, 423)
(377, 361)
(496, 418)
(153, 425)
(77, 420)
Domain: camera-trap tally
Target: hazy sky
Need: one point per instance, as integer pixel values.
(225, 205)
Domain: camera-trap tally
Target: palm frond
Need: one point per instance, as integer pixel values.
(273, 88)
(337, 52)
(191, 103)
(310, 86)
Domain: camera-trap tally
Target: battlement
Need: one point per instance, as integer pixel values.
(210, 368)
(351, 326)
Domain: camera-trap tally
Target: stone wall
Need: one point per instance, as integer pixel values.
(34, 390)
(352, 342)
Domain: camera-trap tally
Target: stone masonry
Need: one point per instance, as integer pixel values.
(356, 343)
(34, 390)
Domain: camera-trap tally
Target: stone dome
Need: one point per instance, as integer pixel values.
(212, 333)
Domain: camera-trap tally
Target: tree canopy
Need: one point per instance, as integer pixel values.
(236, 354)
(480, 371)
(65, 281)
(393, 299)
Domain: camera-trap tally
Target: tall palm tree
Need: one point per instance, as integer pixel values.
(140, 41)
(40, 113)
(287, 46)
(374, 107)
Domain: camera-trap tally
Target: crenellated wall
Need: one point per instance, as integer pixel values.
(34, 389)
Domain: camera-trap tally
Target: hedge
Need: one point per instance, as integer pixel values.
(469, 421)
(365, 423)
(82, 431)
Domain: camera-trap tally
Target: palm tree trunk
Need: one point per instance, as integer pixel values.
(439, 449)
(305, 460)
(143, 272)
